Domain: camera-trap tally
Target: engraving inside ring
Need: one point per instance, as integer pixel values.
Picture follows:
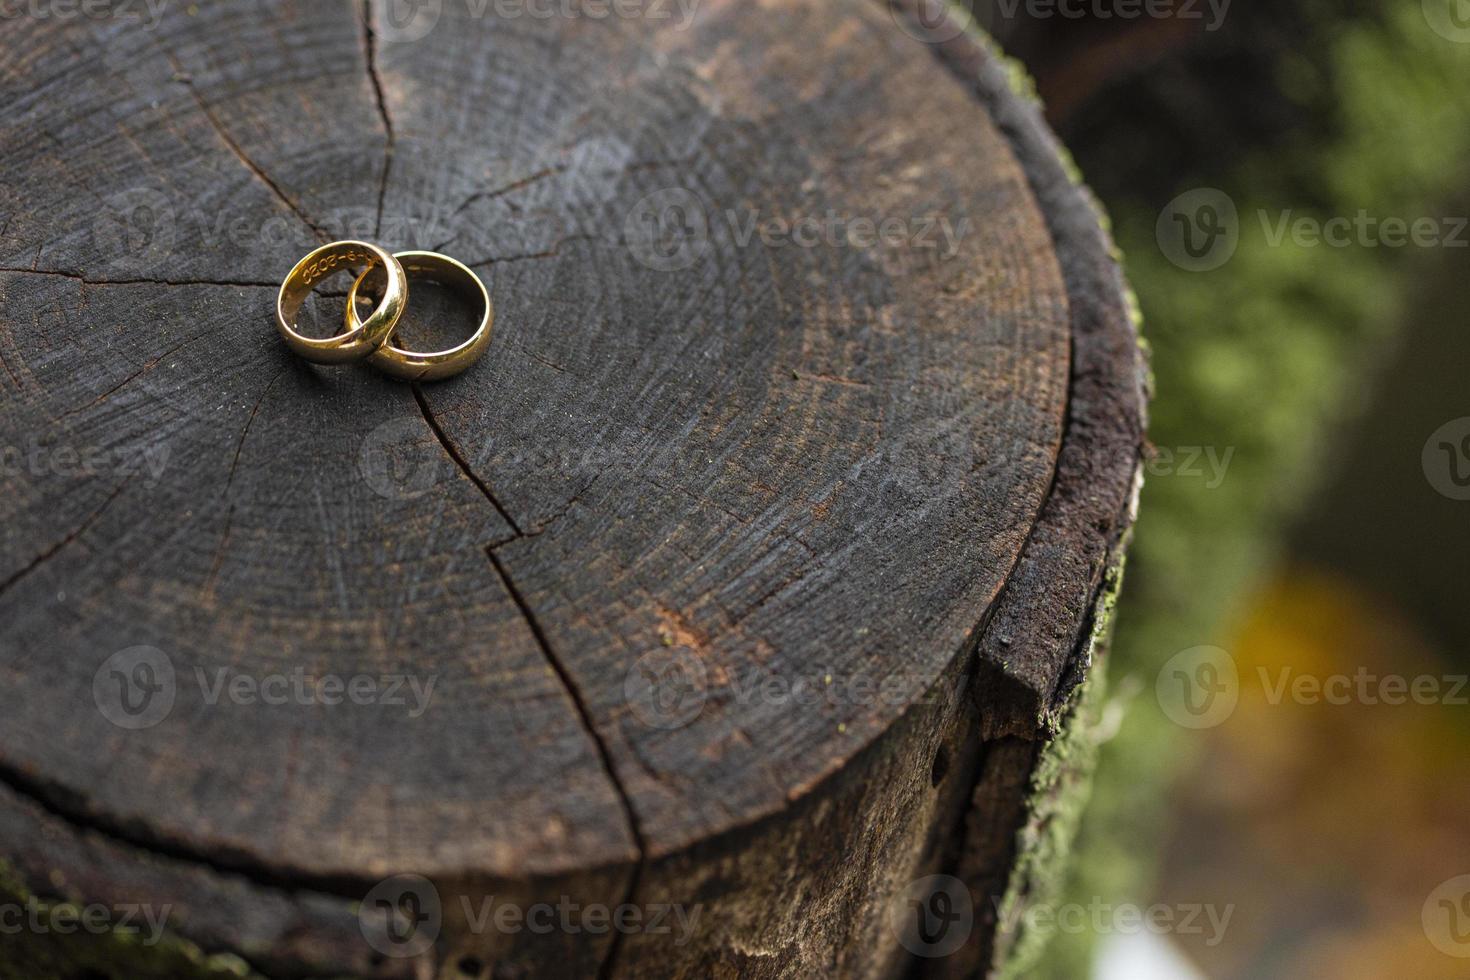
(323, 266)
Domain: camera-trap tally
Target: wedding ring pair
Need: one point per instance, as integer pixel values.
(372, 338)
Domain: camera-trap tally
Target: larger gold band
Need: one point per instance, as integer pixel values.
(363, 337)
(412, 366)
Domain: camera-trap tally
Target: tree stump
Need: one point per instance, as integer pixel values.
(739, 586)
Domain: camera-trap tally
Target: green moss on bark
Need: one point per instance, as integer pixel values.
(1258, 357)
(1057, 799)
(44, 939)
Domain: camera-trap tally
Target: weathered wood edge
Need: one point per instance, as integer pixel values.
(1057, 798)
(289, 933)
(1041, 735)
(1032, 644)
(1045, 788)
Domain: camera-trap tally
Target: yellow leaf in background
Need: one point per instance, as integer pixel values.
(1323, 811)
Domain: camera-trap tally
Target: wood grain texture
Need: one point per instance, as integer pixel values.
(779, 467)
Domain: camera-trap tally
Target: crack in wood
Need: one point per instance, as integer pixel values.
(558, 667)
(141, 281)
(604, 753)
(510, 188)
(148, 366)
(67, 805)
(219, 553)
(462, 463)
(184, 79)
(14, 378)
(551, 252)
(370, 51)
(55, 549)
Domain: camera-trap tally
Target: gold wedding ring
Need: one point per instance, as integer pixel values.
(373, 338)
(363, 337)
(415, 366)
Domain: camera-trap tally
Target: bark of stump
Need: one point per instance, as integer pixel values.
(898, 475)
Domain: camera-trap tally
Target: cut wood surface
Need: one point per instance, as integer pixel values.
(811, 373)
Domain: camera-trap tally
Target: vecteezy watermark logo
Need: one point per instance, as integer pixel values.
(1099, 917)
(404, 21)
(69, 461)
(226, 685)
(1124, 10)
(668, 230)
(135, 688)
(571, 917)
(1450, 19)
(147, 12)
(1198, 687)
(1446, 917)
(1362, 230)
(832, 229)
(931, 21)
(1201, 687)
(157, 227)
(680, 12)
(412, 20)
(401, 459)
(1207, 463)
(64, 919)
(933, 916)
(666, 688)
(1446, 459)
(401, 916)
(1363, 687)
(825, 689)
(1199, 230)
(136, 229)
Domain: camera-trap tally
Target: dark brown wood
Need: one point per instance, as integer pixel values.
(774, 464)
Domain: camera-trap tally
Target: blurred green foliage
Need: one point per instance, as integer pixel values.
(1366, 109)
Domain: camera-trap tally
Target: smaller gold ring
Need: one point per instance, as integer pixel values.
(363, 337)
(414, 366)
